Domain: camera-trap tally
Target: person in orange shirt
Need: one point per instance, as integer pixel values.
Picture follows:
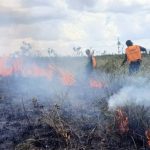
(91, 61)
(133, 56)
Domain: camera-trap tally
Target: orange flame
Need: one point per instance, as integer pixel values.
(96, 84)
(147, 134)
(17, 66)
(67, 78)
(33, 70)
(10, 66)
(5, 70)
(36, 71)
(122, 121)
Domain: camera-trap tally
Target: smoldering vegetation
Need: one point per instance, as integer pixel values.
(69, 109)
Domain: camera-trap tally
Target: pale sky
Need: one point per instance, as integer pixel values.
(64, 24)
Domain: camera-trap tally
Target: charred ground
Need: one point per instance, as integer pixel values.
(46, 120)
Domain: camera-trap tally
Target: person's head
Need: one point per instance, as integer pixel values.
(129, 43)
(88, 52)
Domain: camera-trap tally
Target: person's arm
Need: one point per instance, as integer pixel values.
(143, 49)
(125, 59)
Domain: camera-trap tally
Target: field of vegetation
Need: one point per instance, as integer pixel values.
(37, 114)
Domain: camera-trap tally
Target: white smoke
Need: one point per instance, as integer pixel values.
(136, 90)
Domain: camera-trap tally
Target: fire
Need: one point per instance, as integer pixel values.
(147, 134)
(96, 84)
(5, 70)
(122, 121)
(17, 65)
(10, 66)
(67, 78)
(36, 71)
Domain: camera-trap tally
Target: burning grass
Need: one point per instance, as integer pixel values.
(58, 126)
(82, 121)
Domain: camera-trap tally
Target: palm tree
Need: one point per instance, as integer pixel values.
(78, 51)
(25, 49)
(51, 52)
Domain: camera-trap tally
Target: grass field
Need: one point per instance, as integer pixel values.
(111, 63)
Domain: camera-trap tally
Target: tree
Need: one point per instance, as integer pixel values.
(51, 52)
(25, 49)
(120, 46)
(78, 51)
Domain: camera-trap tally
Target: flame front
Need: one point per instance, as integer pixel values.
(122, 121)
(67, 78)
(10, 66)
(4, 69)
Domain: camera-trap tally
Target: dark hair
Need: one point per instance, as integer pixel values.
(87, 51)
(129, 43)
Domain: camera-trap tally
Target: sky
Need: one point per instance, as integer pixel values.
(64, 24)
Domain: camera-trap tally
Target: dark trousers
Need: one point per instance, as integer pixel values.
(134, 66)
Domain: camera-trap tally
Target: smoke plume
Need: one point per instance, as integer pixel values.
(135, 90)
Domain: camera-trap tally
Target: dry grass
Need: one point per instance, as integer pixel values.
(94, 131)
(100, 129)
(111, 64)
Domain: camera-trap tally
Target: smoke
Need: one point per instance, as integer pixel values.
(65, 81)
(53, 80)
(135, 90)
